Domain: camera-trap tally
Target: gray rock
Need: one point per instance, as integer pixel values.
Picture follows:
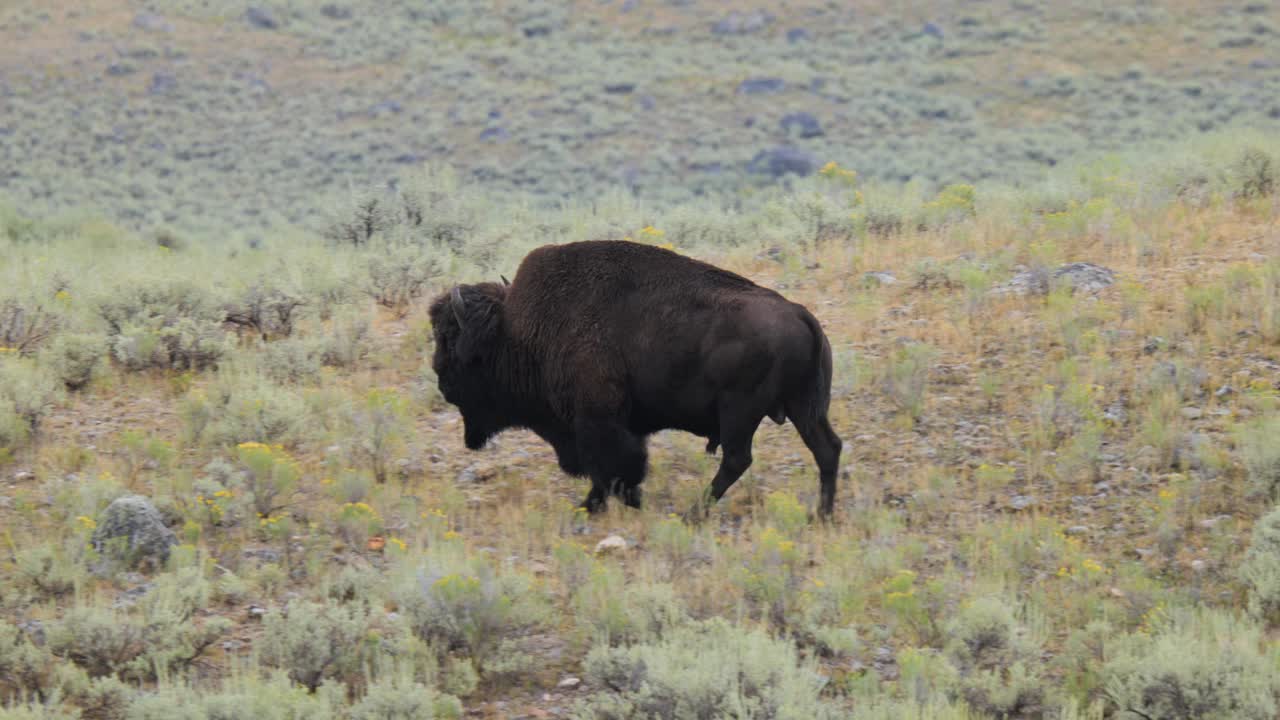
(1079, 277)
(801, 123)
(152, 22)
(1085, 277)
(797, 35)
(761, 85)
(1224, 391)
(781, 160)
(131, 532)
(162, 83)
(1192, 413)
(1152, 345)
(879, 277)
(932, 30)
(1077, 530)
(1021, 502)
(261, 18)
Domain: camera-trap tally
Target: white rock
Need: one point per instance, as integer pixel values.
(610, 544)
(569, 683)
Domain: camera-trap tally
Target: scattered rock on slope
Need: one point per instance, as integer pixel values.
(132, 533)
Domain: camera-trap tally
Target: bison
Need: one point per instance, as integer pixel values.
(598, 344)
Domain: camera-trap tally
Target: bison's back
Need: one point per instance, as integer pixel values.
(680, 334)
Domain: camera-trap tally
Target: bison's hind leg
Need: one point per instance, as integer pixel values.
(825, 445)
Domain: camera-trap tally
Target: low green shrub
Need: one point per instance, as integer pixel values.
(704, 670)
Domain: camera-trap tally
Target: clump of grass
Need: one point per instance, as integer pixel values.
(377, 427)
(905, 378)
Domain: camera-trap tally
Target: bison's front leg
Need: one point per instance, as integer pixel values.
(616, 460)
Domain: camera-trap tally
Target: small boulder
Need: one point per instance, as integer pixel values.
(569, 683)
(877, 278)
(132, 532)
(761, 85)
(152, 22)
(613, 543)
(261, 18)
(1079, 277)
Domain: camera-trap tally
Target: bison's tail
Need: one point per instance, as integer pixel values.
(817, 400)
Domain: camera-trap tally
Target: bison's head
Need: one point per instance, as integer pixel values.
(467, 324)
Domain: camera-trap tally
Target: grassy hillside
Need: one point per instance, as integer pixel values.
(1053, 504)
(227, 116)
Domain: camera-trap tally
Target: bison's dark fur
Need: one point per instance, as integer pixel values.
(597, 345)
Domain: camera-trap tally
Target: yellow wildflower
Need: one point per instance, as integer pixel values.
(86, 522)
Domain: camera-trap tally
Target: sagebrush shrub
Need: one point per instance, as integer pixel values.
(75, 358)
(242, 407)
(465, 604)
(28, 392)
(268, 306)
(705, 670)
(1260, 569)
(47, 570)
(313, 642)
(1261, 455)
(618, 613)
(166, 324)
(24, 667)
(398, 699)
(245, 697)
(1206, 665)
(26, 323)
(994, 656)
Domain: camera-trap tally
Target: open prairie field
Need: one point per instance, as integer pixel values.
(1043, 241)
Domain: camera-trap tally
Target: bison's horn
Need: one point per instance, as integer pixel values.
(505, 281)
(459, 305)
